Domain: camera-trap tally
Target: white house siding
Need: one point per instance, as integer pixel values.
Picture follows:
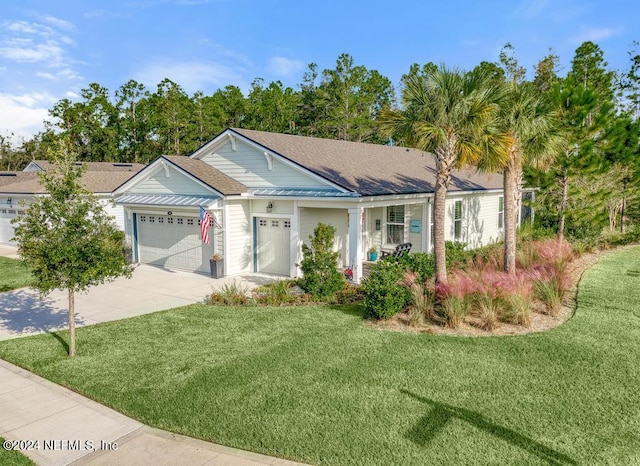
(115, 211)
(250, 167)
(415, 238)
(239, 248)
(175, 183)
(338, 218)
(374, 236)
(479, 219)
(278, 206)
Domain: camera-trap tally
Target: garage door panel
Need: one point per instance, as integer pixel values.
(6, 227)
(173, 242)
(274, 245)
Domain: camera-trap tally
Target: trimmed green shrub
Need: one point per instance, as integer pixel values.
(384, 295)
(456, 254)
(420, 263)
(321, 277)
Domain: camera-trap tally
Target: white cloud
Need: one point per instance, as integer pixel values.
(530, 9)
(285, 67)
(26, 51)
(23, 115)
(594, 35)
(44, 45)
(48, 76)
(58, 23)
(192, 76)
(69, 74)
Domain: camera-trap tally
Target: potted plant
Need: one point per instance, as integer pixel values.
(372, 254)
(216, 264)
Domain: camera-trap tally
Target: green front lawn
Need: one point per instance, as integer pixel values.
(12, 457)
(13, 274)
(314, 384)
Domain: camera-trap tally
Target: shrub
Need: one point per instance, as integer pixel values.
(456, 254)
(384, 295)
(420, 263)
(229, 294)
(319, 265)
(350, 294)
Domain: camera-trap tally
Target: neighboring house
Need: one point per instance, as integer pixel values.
(267, 192)
(18, 189)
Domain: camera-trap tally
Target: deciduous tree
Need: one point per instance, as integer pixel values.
(67, 238)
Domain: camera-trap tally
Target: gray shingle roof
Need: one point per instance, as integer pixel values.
(208, 175)
(97, 166)
(368, 169)
(94, 181)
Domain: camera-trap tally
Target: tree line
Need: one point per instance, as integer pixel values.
(576, 136)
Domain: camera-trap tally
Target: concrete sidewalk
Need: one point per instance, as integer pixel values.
(150, 289)
(62, 427)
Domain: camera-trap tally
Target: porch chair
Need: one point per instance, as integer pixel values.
(400, 250)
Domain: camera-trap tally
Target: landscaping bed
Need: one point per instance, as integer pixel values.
(314, 384)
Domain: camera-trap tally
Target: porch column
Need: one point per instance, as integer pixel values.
(356, 255)
(295, 242)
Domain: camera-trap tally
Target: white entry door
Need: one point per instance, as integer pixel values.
(173, 242)
(274, 245)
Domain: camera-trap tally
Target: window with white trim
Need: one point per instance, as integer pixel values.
(395, 224)
(501, 212)
(457, 220)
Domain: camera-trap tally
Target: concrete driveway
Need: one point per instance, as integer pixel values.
(150, 289)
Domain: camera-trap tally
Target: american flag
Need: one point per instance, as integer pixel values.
(205, 222)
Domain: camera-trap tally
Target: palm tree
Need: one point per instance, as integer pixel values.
(533, 134)
(450, 113)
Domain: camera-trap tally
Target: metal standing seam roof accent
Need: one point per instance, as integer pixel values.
(299, 192)
(165, 200)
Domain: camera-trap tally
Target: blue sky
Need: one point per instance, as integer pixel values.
(50, 50)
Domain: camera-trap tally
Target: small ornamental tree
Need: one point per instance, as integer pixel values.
(320, 264)
(68, 239)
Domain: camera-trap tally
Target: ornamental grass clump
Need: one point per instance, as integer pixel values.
(549, 292)
(422, 299)
(486, 302)
(517, 296)
(229, 294)
(455, 298)
(553, 252)
(276, 293)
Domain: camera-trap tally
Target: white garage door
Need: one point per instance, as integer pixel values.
(6, 227)
(173, 242)
(274, 245)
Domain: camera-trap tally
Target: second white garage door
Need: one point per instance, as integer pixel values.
(274, 245)
(6, 227)
(173, 242)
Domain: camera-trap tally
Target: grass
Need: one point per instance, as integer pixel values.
(314, 384)
(13, 458)
(13, 274)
